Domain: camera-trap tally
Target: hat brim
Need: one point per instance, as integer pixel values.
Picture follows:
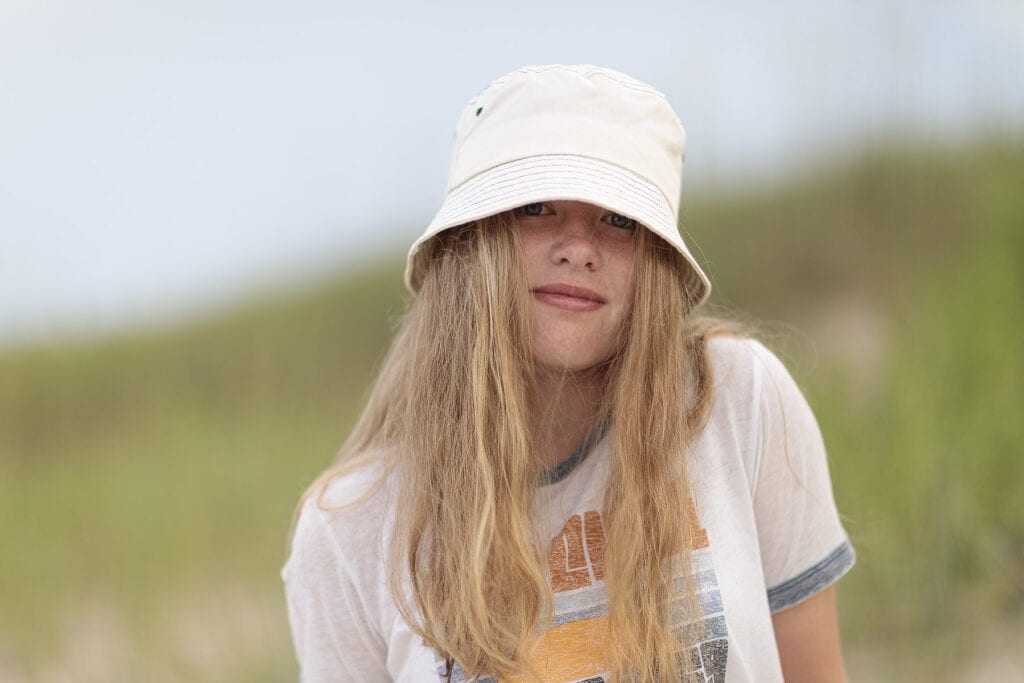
(560, 177)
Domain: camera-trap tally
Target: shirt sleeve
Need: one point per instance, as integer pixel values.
(333, 637)
(804, 547)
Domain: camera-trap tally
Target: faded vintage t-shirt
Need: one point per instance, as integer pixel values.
(769, 537)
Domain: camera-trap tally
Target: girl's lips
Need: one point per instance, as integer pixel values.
(569, 298)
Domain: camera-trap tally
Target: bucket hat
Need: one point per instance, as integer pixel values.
(567, 132)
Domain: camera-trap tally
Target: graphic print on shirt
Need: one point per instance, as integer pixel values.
(573, 649)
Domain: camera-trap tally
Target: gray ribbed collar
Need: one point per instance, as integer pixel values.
(560, 471)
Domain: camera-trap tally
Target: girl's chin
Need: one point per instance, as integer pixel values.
(572, 349)
(572, 364)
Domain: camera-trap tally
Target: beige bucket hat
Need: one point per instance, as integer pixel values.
(579, 132)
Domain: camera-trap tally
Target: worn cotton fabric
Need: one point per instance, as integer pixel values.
(769, 538)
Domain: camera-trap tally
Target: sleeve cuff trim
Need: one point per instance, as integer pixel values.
(813, 580)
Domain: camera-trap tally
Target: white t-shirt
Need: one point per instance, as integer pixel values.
(770, 538)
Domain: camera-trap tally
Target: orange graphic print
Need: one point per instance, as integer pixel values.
(700, 534)
(577, 554)
(571, 652)
(573, 649)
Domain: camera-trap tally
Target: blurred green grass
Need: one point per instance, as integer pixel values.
(147, 480)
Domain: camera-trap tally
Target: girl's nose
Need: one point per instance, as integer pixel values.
(575, 243)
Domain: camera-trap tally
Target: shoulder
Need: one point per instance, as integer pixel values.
(335, 586)
(340, 526)
(754, 402)
(747, 374)
(739, 362)
(740, 367)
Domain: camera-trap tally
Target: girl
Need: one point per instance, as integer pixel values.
(563, 472)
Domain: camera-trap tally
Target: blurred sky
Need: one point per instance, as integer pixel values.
(158, 157)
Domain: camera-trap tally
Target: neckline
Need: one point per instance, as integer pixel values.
(564, 467)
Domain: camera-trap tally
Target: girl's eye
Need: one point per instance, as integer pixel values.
(535, 209)
(620, 221)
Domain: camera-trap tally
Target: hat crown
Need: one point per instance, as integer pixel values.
(582, 110)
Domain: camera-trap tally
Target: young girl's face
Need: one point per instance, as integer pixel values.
(580, 268)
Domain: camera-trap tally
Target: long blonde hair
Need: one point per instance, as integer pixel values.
(451, 418)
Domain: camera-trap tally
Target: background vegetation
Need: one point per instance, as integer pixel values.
(147, 481)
